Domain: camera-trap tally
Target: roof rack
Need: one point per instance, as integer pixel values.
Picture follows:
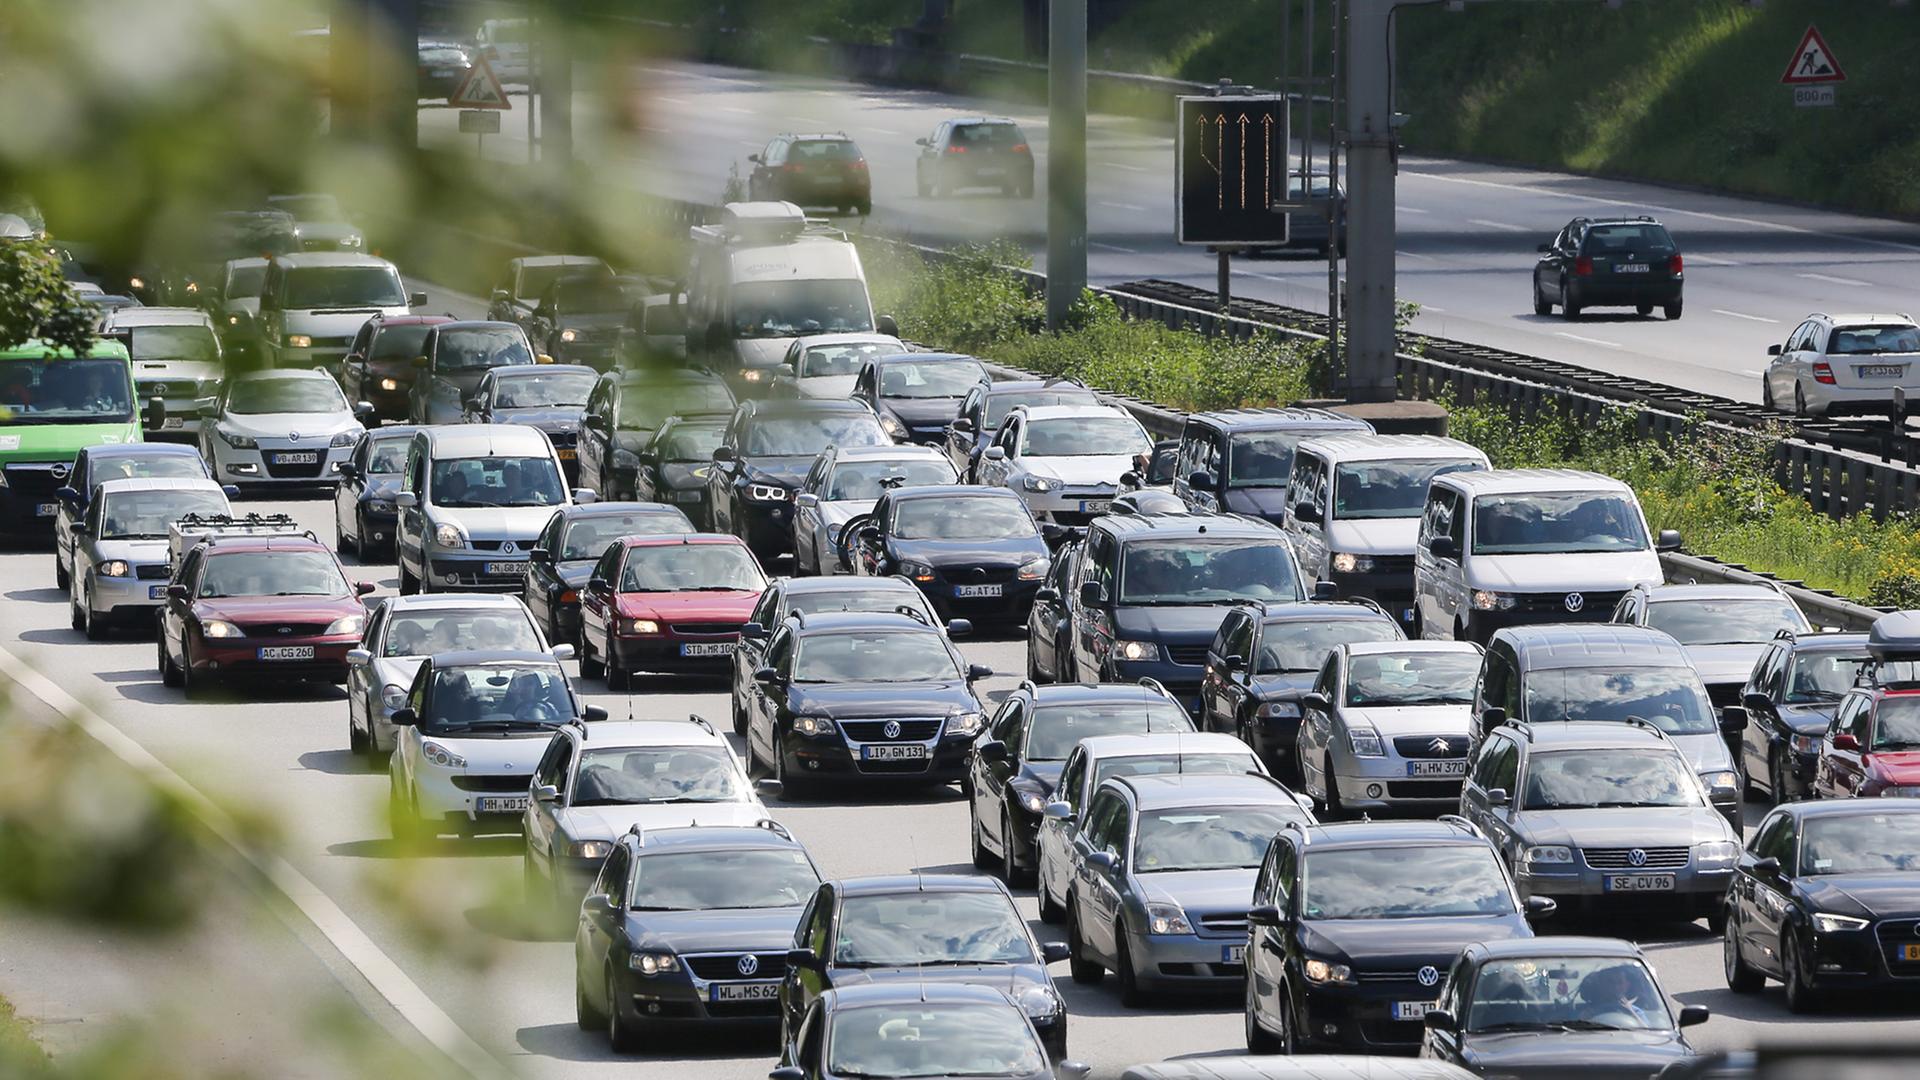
(1156, 686)
(702, 721)
(1027, 685)
(773, 827)
(1459, 822)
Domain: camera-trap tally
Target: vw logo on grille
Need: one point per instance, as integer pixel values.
(1428, 975)
(1637, 857)
(1575, 601)
(748, 964)
(1440, 746)
(892, 730)
(509, 548)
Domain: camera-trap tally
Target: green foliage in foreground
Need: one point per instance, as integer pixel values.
(37, 301)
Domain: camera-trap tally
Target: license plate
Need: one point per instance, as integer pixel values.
(500, 804)
(503, 568)
(1233, 954)
(1406, 615)
(976, 590)
(707, 648)
(45, 509)
(1412, 1010)
(991, 172)
(1449, 767)
(301, 457)
(1633, 268)
(1095, 506)
(753, 991)
(1638, 883)
(173, 422)
(1880, 371)
(889, 752)
(156, 592)
(1910, 952)
(565, 455)
(286, 652)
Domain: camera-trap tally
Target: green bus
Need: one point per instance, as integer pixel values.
(52, 403)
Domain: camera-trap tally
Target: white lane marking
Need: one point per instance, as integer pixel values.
(1501, 225)
(1412, 255)
(380, 971)
(1709, 260)
(1831, 280)
(670, 99)
(1410, 210)
(882, 131)
(1113, 247)
(1429, 308)
(1267, 277)
(733, 109)
(1124, 168)
(1121, 206)
(1743, 315)
(1588, 340)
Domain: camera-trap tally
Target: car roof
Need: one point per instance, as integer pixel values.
(611, 509)
(714, 837)
(898, 451)
(1094, 693)
(1661, 594)
(394, 432)
(1164, 790)
(1414, 645)
(521, 371)
(949, 491)
(157, 316)
(476, 657)
(506, 602)
(1139, 743)
(1316, 610)
(1302, 1067)
(882, 884)
(1070, 412)
(1367, 834)
(1592, 735)
(142, 449)
(630, 733)
(480, 324)
(301, 260)
(958, 120)
(921, 357)
(1566, 645)
(838, 582)
(248, 262)
(158, 483)
(1807, 808)
(1866, 317)
(281, 375)
(1817, 641)
(1390, 447)
(385, 321)
(681, 538)
(1570, 945)
(483, 440)
(1182, 526)
(241, 545)
(558, 260)
(803, 407)
(1501, 481)
(837, 621)
(914, 992)
(1028, 386)
(806, 341)
(1268, 419)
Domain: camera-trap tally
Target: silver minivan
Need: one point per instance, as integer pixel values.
(313, 303)
(472, 502)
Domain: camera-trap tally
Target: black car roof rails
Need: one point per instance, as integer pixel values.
(696, 718)
(773, 827)
(579, 722)
(1028, 686)
(1459, 822)
(1517, 724)
(1366, 601)
(1787, 632)
(1643, 722)
(1156, 685)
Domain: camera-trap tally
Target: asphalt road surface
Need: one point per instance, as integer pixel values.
(1466, 232)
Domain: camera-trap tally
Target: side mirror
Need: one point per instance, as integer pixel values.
(420, 361)
(597, 904)
(1059, 810)
(362, 410)
(1498, 797)
(583, 496)
(472, 404)
(803, 958)
(404, 718)
(991, 750)
(755, 158)
(724, 454)
(1543, 249)
(1072, 1070)
(807, 499)
(1045, 594)
(1443, 547)
(869, 534)
(1773, 350)
(920, 142)
(1326, 590)
(80, 528)
(562, 651)
(546, 793)
(1767, 868)
(539, 555)
(67, 494)
(1200, 478)
(359, 658)
(1317, 701)
(593, 714)
(768, 786)
(177, 591)
(1492, 717)
(416, 299)
(959, 627)
(885, 324)
(349, 471)
(1264, 915)
(207, 408)
(1733, 720)
(1053, 952)
(1103, 860)
(1092, 594)
(1755, 701)
(788, 1072)
(1668, 540)
(597, 584)
(1539, 907)
(767, 676)
(362, 588)
(1307, 512)
(1845, 741)
(1439, 1020)
(1130, 479)
(963, 423)
(978, 671)
(994, 453)
(406, 500)
(1694, 1015)
(754, 631)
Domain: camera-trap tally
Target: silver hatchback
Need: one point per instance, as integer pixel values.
(121, 562)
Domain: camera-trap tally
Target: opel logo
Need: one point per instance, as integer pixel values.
(1440, 746)
(892, 730)
(1575, 601)
(509, 548)
(60, 471)
(1637, 857)
(1428, 975)
(748, 964)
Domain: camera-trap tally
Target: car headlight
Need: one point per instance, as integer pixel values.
(389, 384)
(1326, 971)
(752, 374)
(766, 493)
(1036, 483)
(625, 460)
(1365, 743)
(136, 283)
(812, 725)
(1033, 802)
(236, 440)
(1035, 568)
(112, 568)
(568, 335)
(1543, 854)
(193, 288)
(347, 624)
(379, 506)
(233, 320)
(1039, 1003)
(652, 963)
(439, 755)
(1488, 600)
(642, 626)
(1279, 710)
(966, 724)
(219, 628)
(917, 571)
(1721, 784)
(892, 426)
(1136, 650)
(299, 341)
(344, 439)
(1833, 924)
(1348, 563)
(393, 696)
(1715, 853)
(590, 849)
(1167, 919)
(449, 535)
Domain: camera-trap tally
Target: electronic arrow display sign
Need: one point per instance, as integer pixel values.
(1231, 166)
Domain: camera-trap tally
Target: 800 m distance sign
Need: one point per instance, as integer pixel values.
(1232, 167)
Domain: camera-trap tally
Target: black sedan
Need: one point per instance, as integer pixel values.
(674, 463)
(572, 541)
(551, 397)
(1826, 898)
(364, 514)
(1790, 699)
(976, 552)
(861, 699)
(766, 452)
(905, 1029)
(917, 395)
(924, 931)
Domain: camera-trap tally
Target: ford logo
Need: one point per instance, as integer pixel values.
(892, 730)
(748, 964)
(1574, 601)
(1637, 857)
(1428, 975)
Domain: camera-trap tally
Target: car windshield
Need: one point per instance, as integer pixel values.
(884, 1042)
(1172, 761)
(56, 390)
(1725, 622)
(398, 342)
(1388, 489)
(1869, 340)
(962, 517)
(191, 342)
(619, 775)
(861, 479)
(1195, 571)
(1404, 882)
(245, 281)
(320, 287)
(1415, 678)
(1573, 522)
(908, 601)
(535, 279)
(388, 456)
(131, 466)
(773, 309)
(873, 656)
(1672, 698)
(1299, 646)
(249, 397)
(309, 207)
(478, 350)
(910, 928)
(999, 405)
(589, 293)
(1620, 239)
(130, 515)
(987, 135)
(692, 442)
(443, 54)
(1084, 436)
(440, 630)
(1599, 776)
(588, 537)
(691, 568)
(644, 405)
(271, 573)
(842, 358)
(502, 696)
(1057, 729)
(545, 389)
(806, 436)
(930, 378)
(1824, 676)
(1896, 723)
(722, 880)
(1263, 458)
(1865, 843)
(1207, 838)
(497, 481)
(1559, 993)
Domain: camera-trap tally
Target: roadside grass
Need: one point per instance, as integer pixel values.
(19, 1054)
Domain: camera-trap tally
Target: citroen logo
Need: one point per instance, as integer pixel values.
(1637, 857)
(509, 548)
(892, 730)
(748, 964)
(1440, 746)
(1428, 975)
(1574, 601)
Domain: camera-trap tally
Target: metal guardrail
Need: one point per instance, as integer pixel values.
(1823, 608)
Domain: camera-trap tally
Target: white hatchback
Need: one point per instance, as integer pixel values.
(1064, 460)
(280, 429)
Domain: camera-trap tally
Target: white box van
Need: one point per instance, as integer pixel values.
(1512, 547)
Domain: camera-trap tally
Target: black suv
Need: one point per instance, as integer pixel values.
(812, 170)
(1609, 262)
(974, 151)
(766, 451)
(1795, 688)
(1350, 937)
(1239, 461)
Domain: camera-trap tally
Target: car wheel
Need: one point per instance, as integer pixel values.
(1050, 912)
(74, 618)
(1777, 778)
(1569, 308)
(620, 1034)
(982, 858)
(792, 788)
(340, 543)
(864, 208)
(1011, 871)
(1541, 306)
(618, 678)
(1766, 395)
(194, 683)
(61, 579)
(402, 823)
(591, 666)
(1741, 978)
(1336, 810)
(1259, 1039)
(357, 742)
(584, 1013)
(91, 624)
(1801, 998)
(1131, 995)
(1799, 400)
(1643, 310)
(409, 585)
(739, 717)
(1084, 971)
(169, 671)
(1672, 311)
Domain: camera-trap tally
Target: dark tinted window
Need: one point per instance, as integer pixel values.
(1620, 239)
(808, 151)
(398, 342)
(987, 135)
(1299, 646)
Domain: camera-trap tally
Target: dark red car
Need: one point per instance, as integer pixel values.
(379, 364)
(268, 608)
(667, 604)
(1872, 747)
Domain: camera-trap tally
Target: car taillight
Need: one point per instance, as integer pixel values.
(1823, 372)
(1583, 267)
(1674, 265)
(858, 166)
(956, 149)
(1020, 148)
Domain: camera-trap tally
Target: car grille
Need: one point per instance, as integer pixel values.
(714, 629)
(1595, 605)
(153, 572)
(1409, 975)
(1190, 655)
(1233, 924)
(727, 966)
(494, 545)
(1893, 934)
(976, 575)
(166, 388)
(1393, 564)
(309, 471)
(281, 629)
(30, 481)
(1390, 1032)
(517, 782)
(1657, 858)
(1422, 746)
(563, 440)
(1424, 789)
(876, 730)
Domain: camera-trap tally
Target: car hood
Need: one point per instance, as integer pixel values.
(841, 511)
(277, 426)
(922, 412)
(1399, 944)
(760, 930)
(877, 700)
(1199, 890)
(761, 352)
(1720, 664)
(1598, 571)
(1811, 718)
(129, 550)
(1261, 502)
(250, 305)
(1044, 773)
(685, 474)
(1374, 536)
(1898, 766)
(592, 320)
(1892, 894)
(335, 322)
(1283, 685)
(290, 609)
(830, 387)
(1392, 720)
(608, 822)
(787, 470)
(519, 523)
(1080, 471)
(732, 606)
(1583, 1054)
(1186, 624)
(991, 554)
(552, 419)
(1624, 826)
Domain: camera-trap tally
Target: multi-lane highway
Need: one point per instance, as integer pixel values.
(1466, 231)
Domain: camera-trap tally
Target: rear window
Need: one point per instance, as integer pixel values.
(988, 135)
(1868, 340)
(823, 150)
(1606, 239)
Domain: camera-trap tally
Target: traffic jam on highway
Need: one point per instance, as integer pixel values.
(1347, 727)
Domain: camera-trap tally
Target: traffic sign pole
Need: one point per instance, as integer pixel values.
(1372, 371)
(1066, 159)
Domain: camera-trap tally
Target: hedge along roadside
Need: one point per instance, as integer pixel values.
(1716, 487)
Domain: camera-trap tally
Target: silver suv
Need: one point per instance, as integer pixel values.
(176, 360)
(1603, 817)
(120, 549)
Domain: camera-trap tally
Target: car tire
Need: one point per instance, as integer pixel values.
(864, 209)
(169, 671)
(409, 585)
(1742, 978)
(1336, 810)
(1010, 871)
(1643, 310)
(1050, 912)
(1085, 972)
(739, 716)
(792, 788)
(1799, 400)
(1541, 306)
(90, 623)
(194, 684)
(1259, 1039)
(976, 843)
(74, 618)
(357, 742)
(1777, 778)
(340, 543)
(1802, 998)
(61, 579)
(584, 1013)
(1569, 308)
(1766, 395)
(620, 1034)
(1672, 311)
(591, 666)
(1132, 996)
(618, 678)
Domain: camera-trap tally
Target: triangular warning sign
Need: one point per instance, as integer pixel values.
(1813, 61)
(479, 90)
